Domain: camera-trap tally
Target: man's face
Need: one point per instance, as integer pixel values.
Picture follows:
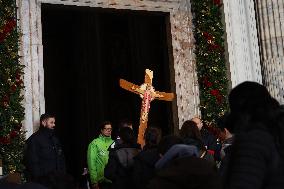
(198, 122)
(49, 123)
(107, 130)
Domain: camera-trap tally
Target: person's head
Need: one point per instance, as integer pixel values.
(127, 135)
(167, 142)
(125, 123)
(225, 128)
(189, 129)
(249, 96)
(198, 122)
(251, 107)
(152, 136)
(47, 121)
(106, 128)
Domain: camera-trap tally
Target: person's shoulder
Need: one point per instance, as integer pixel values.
(94, 141)
(257, 140)
(34, 136)
(256, 134)
(150, 156)
(97, 141)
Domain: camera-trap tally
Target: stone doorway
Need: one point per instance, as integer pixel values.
(183, 82)
(85, 52)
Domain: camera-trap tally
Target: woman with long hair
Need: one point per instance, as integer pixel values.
(191, 135)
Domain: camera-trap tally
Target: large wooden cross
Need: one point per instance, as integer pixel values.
(147, 93)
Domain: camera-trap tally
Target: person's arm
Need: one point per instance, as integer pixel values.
(32, 158)
(248, 161)
(92, 155)
(212, 144)
(110, 171)
(137, 174)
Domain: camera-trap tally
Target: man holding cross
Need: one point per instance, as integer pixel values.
(148, 94)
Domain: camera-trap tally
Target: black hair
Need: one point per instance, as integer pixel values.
(252, 107)
(152, 137)
(127, 135)
(45, 116)
(189, 129)
(103, 124)
(124, 123)
(250, 102)
(222, 123)
(167, 142)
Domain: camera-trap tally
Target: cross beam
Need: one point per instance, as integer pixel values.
(148, 94)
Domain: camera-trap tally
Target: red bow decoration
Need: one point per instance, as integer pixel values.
(217, 2)
(10, 25)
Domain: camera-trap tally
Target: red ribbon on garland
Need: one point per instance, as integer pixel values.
(8, 27)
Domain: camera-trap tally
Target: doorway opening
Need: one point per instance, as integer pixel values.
(86, 52)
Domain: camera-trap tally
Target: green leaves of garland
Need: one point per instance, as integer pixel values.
(210, 59)
(12, 138)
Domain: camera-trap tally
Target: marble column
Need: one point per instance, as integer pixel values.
(270, 17)
(243, 48)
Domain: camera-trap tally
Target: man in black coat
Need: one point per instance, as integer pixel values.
(43, 153)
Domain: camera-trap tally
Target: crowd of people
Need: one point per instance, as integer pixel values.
(250, 154)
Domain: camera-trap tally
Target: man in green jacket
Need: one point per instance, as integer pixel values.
(97, 156)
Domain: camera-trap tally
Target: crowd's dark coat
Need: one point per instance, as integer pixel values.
(201, 149)
(187, 173)
(43, 154)
(256, 158)
(209, 140)
(120, 165)
(144, 167)
(226, 152)
(254, 162)
(176, 151)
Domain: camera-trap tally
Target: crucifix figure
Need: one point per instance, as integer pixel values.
(147, 93)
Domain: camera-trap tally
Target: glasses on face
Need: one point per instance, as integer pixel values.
(108, 129)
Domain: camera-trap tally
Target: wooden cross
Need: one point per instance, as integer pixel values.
(147, 93)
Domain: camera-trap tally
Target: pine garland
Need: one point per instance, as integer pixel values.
(210, 59)
(12, 137)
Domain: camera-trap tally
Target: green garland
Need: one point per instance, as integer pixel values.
(210, 59)
(12, 138)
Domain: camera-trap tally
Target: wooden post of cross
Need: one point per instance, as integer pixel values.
(147, 93)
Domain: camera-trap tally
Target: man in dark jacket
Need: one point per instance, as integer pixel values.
(43, 153)
(144, 162)
(120, 163)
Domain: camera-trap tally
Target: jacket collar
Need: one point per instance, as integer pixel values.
(46, 131)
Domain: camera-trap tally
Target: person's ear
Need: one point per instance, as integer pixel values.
(226, 131)
(43, 122)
